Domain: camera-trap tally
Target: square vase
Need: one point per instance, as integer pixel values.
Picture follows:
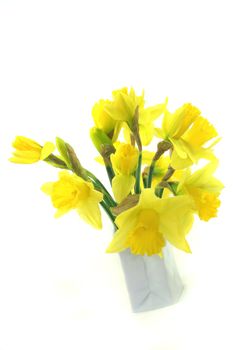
(152, 282)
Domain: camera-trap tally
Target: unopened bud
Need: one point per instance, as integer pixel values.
(99, 139)
(76, 165)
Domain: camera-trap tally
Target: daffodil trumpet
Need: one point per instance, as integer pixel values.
(154, 195)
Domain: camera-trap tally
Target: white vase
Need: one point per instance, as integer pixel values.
(152, 282)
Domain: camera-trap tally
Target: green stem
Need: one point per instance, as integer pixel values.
(108, 212)
(108, 201)
(110, 171)
(138, 174)
(144, 178)
(99, 184)
(162, 147)
(150, 174)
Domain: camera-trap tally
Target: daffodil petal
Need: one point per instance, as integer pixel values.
(23, 143)
(61, 212)
(47, 188)
(118, 242)
(147, 157)
(99, 159)
(179, 163)
(179, 148)
(204, 179)
(90, 212)
(146, 133)
(176, 219)
(23, 160)
(47, 149)
(159, 133)
(122, 186)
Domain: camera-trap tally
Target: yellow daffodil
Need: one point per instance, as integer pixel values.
(124, 104)
(175, 124)
(124, 162)
(146, 227)
(72, 192)
(188, 131)
(204, 189)
(103, 120)
(123, 108)
(28, 151)
(147, 116)
(155, 194)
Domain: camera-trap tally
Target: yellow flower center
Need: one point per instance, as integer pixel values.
(82, 192)
(206, 203)
(146, 238)
(69, 193)
(125, 159)
(200, 132)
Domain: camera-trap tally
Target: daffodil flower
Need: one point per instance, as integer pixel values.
(146, 227)
(146, 119)
(123, 109)
(124, 162)
(103, 120)
(204, 189)
(72, 192)
(28, 151)
(153, 205)
(188, 132)
(124, 104)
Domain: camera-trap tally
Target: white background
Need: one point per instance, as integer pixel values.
(58, 288)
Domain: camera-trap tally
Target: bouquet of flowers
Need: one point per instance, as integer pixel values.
(155, 193)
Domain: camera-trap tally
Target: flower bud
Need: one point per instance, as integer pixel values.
(102, 119)
(99, 139)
